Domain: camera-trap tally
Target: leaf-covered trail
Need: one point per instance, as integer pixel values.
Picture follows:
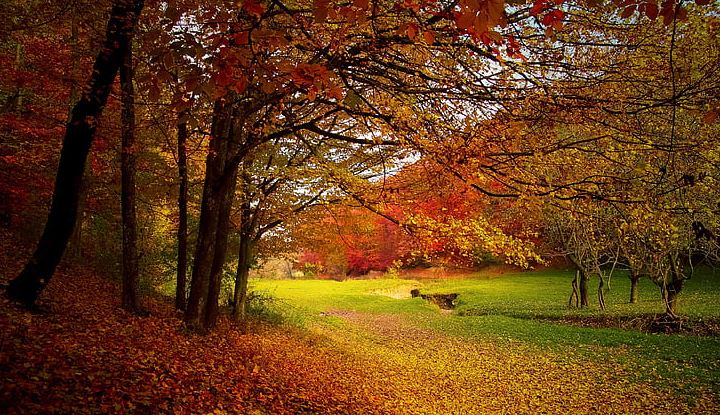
(83, 355)
(444, 374)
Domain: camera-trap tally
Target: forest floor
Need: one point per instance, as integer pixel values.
(81, 354)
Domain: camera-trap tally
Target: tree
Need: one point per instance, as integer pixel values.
(182, 231)
(79, 134)
(277, 182)
(219, 185)
(131, 272)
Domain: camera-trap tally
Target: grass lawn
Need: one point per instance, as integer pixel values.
(525, 311)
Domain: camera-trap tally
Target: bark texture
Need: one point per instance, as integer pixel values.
(227, 193)
(218, 191)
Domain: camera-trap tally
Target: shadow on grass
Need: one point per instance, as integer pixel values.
(646, 323)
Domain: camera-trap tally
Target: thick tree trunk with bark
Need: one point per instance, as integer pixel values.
(203, 261)
(128, 156)
(214, 220)
(76, 238)
(207, 228)
(582, 277)
(227, 190)
(79, 134)
(634, 280)
(241, 282)
(182, 235)
(671, 295)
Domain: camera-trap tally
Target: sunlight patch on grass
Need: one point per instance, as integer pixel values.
(521, 311)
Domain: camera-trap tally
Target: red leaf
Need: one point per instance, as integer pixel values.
(651, 10)
(628, 11)
(241, 38)
(547, 20)
(253, 8)
(429, 37)
(667, 11)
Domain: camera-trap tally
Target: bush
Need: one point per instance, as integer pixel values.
(262, 306)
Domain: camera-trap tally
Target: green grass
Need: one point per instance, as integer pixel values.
(518, 311)
(530, 295)
(374, 296)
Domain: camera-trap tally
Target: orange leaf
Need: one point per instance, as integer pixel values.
(495, 12)
(429, 37)
(412, 31)
(465, 19)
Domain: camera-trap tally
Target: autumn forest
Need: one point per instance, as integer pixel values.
(359, 206)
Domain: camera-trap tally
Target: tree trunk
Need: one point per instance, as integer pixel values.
(601, 294)
(180, 291)
(581, 275)
(584, 296)
(79, 134)
(673, 287)
(227, 190)
(76, 238)
(207, 235)
(213, 201)
(130, 268)
(574, 297)
(241, 281)
(634, 279)
(245, 257)
(671, 295)
(200, 281)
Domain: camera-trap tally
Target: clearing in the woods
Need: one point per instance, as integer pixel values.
(358, 347)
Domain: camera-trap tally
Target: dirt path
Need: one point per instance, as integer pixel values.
(439, 374)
